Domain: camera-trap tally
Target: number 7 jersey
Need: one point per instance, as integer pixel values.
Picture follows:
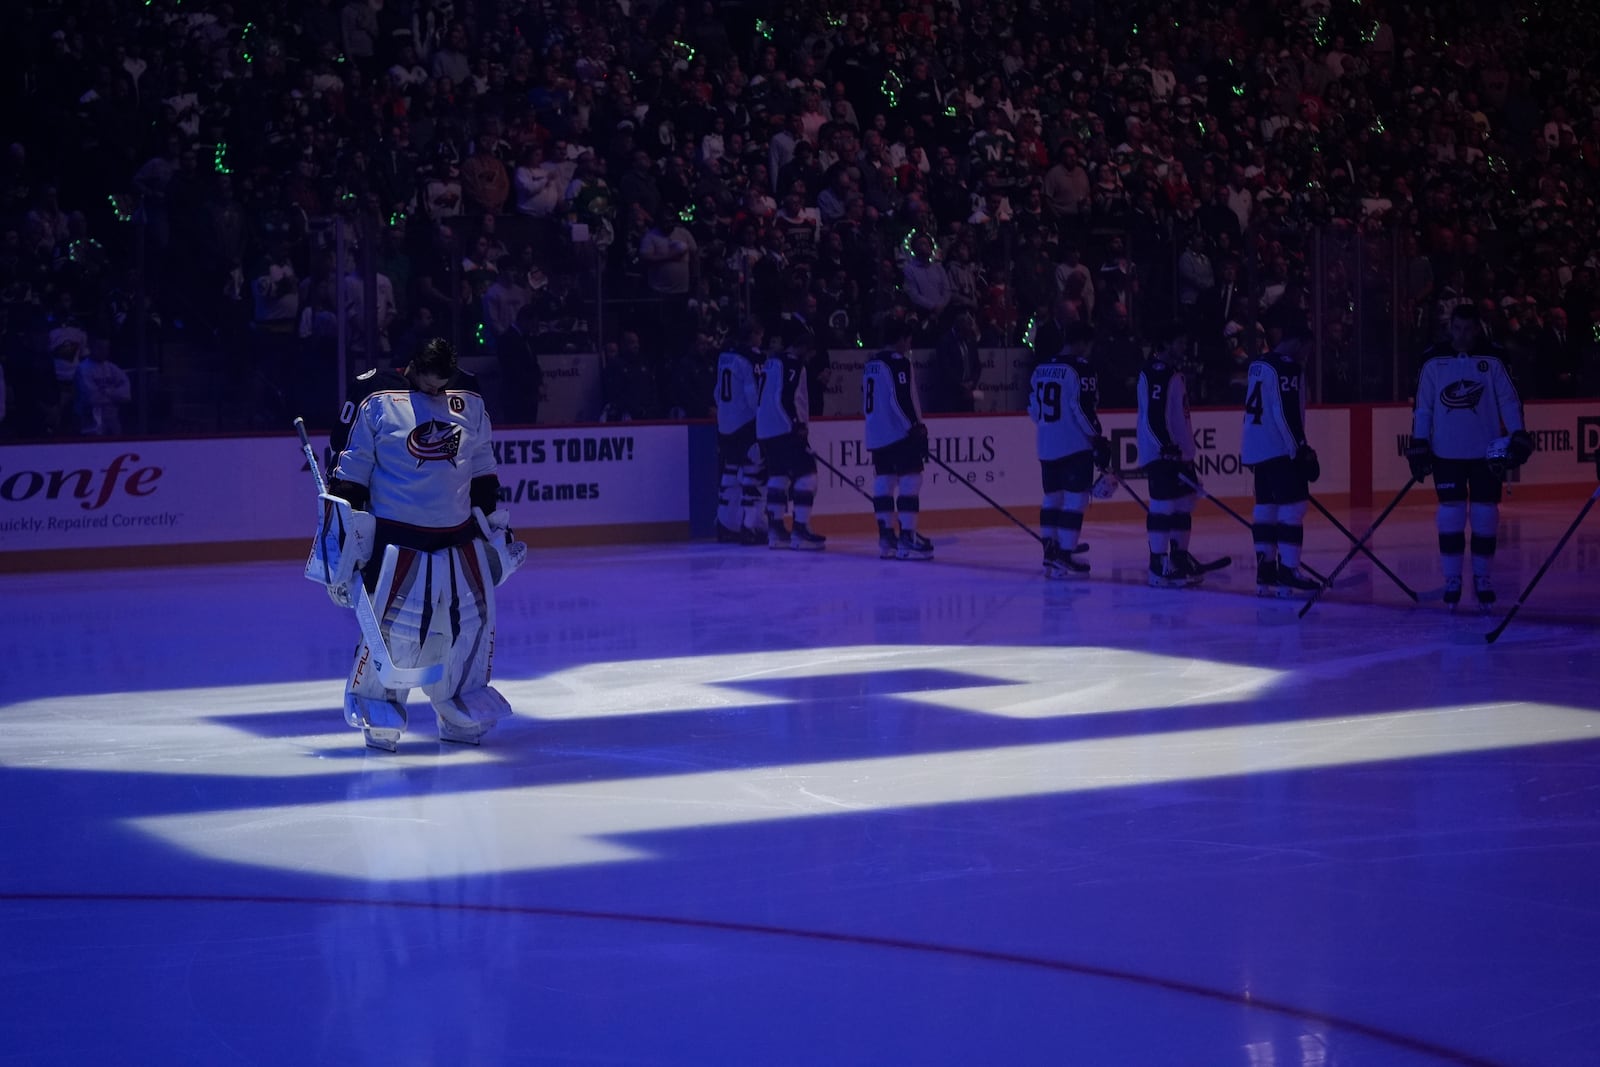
(1063, 402)
(1274, 409)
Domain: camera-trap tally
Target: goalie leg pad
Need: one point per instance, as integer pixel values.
(461, 635)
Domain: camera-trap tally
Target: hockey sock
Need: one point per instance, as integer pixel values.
(883, 501)
(907, 508)
(909, 502)
(1485, 527)
(777, 499)
(1291, 532)
(1452, 537)
(1180, 526)
(1158, 528)
(1264, 530)
(805, 494)
(1050, 516)
(1070, 519)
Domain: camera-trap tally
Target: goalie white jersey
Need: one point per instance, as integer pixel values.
(1464, 401)
(418, 454)
(736, 390)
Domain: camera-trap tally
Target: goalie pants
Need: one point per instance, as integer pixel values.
(432, 607)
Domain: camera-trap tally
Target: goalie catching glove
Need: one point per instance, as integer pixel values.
(342, 547)
(506, 554)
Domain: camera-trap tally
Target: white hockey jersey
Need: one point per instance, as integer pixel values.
(736, 393)
(782, 402)
(418, 454)
(1274, 409)
(1063, 402)
(1465, 401)
(888, 399)
(1163, 413)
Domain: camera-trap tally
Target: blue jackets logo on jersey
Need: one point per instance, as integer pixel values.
(434, 440)
(1463, 395)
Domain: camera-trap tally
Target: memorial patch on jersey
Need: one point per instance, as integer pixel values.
(1463, 395)
(434, 440)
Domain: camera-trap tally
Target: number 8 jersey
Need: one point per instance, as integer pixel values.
(1063, 402)
(1274, 409)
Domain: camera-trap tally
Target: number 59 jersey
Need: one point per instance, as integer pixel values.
(1063, 402)
(1274, 409)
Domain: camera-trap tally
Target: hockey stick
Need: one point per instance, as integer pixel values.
(1393, 577)
(991, 500)
(1204, 568)
(1343, 563)
(1242, 521)
(391, 676)
(839, 474)
(1498, 630)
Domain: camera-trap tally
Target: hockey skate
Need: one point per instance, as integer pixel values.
(1483, 588)
(383, 740)
(461, 735)
(750, 535)
(1059, 564)
(1291, 583)
(1196, 570)
(1166, 573)
(726, 536)
(778, 536)
(1452, 593)
(804, 540)
(914, 546)
(888, 543)
(1266, 576)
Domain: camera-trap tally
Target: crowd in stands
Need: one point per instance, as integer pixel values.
(531, 175)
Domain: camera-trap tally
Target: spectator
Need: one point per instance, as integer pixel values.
(520, 373)
(926, 284)
(956, 368)
(102, 388)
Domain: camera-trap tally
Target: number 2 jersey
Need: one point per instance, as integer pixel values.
(1274, 409)
(417, 454)
(1463, 401)
(1064, 402)
(1163, 413)
(782, 400)
(888, 400)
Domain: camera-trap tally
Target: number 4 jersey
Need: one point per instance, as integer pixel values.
(1274, 409)
(1063, 402)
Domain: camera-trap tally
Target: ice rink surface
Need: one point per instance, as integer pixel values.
(763, 808)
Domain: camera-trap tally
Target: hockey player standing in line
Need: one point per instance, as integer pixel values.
(781, 410)
(1274, 448)
(415, 485)
(1465, 407)
(1063, 402)
(741, 517)
(898, 440)
(1166, 451)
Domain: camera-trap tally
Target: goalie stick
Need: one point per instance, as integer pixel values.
(391, 676)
